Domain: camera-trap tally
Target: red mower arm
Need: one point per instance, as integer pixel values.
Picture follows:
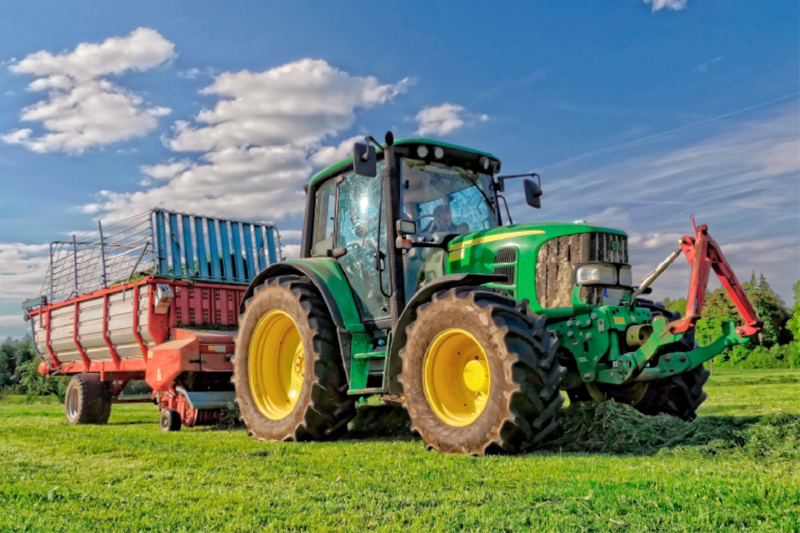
(703, 253)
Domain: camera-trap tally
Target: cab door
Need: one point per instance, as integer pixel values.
(357, 231)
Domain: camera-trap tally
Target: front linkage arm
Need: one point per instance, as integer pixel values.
(704, 254)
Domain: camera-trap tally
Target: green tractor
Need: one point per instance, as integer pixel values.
(412, 284)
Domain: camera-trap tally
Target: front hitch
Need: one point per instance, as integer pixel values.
(704, 254)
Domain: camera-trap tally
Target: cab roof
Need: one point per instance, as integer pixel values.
(336, 167)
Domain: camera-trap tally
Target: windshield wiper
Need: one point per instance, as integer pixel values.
(475, 184)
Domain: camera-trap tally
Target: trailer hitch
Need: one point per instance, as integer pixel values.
(704, 254)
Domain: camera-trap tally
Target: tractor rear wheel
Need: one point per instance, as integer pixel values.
(287, 367)
(479, 375)
(87, 400)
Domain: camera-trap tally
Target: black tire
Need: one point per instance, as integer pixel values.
(87, 400)
(679, 395)
(523, 397)
(170, 420)
(323, 408)
(373, 421)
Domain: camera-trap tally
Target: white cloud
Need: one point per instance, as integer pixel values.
(299, 103)
(291, 234)
(83, 108)
(22, 269)
(329, 155)
(669, 4)
(9, 93)
(440, 120)
(11, 321)
(260, 142)
(194, 73)
(166, 171)
(291, 251)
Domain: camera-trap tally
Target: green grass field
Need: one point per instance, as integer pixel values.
(129, 476)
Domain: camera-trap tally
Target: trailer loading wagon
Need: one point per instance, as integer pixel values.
(155, 297)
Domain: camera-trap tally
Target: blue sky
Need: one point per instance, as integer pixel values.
(637, 114)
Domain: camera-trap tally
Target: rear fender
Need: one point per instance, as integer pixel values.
(327, 275)
(425, 294)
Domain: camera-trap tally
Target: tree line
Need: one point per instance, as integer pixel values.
(777, 347)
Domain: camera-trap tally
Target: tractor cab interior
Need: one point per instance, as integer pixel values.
(442, 201)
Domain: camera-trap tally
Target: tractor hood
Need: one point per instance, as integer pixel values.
(537, 258)
(540, 232)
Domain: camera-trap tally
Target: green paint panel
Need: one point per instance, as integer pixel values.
(359, 366)
(332, 275)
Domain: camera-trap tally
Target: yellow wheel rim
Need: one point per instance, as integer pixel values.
(456, 377)
(276, 365)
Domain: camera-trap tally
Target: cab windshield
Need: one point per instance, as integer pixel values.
(444, 200)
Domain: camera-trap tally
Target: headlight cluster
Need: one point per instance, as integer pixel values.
(603, 274)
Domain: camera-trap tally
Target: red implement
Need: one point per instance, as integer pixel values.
(704, 254)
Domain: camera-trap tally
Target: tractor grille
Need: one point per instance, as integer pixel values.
(503, 257)
(508, 272)
(557, 256)
(506, 255)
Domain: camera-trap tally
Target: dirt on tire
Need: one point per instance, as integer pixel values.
(524, 397)
(323, 408)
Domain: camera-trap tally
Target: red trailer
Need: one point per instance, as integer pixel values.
(155, 298)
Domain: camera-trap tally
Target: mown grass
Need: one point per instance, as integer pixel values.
(128, 476)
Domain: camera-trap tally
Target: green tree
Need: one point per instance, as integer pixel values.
(32, 383)
(13, 354)
(794, 323)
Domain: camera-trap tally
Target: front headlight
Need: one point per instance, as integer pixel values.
(625, 277)
(596, 274)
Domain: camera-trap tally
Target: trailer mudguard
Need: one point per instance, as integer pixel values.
(328, 277)
(395, 365)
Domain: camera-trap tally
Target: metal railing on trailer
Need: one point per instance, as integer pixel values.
(162, 243)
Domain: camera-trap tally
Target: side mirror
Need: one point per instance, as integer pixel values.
(533, 194)
(406, 227)
(365, 162)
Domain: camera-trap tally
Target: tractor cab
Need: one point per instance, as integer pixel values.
(437, 193)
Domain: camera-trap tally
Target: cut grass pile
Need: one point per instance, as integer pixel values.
(617, 428)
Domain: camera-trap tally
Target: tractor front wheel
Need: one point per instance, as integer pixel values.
(287, 367)
(479, 375)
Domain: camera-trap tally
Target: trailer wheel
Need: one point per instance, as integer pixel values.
(170, 420)
(479, 375)
(88, 400)
(289, 380)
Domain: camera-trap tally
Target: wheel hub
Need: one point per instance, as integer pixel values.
(456, 377)
(276, 365)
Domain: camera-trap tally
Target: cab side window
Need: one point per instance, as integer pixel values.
(325, 212)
